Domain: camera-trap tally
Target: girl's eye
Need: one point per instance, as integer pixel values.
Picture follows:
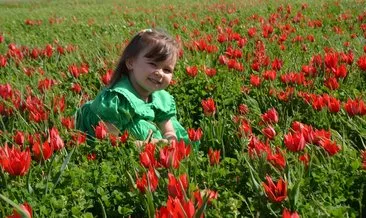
(167, 71)
(152, 64)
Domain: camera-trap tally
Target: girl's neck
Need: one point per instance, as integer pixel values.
(143, 95)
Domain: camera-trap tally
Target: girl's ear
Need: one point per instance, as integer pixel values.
(129, 63)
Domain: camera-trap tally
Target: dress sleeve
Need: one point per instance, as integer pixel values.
(114, 108)
(166, 108)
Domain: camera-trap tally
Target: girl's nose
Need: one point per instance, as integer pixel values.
(158, 72)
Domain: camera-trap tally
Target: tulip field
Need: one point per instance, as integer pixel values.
(271, 93)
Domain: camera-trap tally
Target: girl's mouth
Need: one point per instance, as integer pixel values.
(154, 81)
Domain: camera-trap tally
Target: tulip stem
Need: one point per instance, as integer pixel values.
(3, 179)
(20, 210)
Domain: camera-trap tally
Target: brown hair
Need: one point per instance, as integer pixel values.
(162, 47)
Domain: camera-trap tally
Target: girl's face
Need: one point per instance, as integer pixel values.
(148, 76)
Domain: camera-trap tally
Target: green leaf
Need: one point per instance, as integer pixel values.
(63, 167)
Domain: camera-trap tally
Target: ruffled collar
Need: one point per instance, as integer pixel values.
(160, 100)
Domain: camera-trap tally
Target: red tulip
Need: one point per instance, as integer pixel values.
(209, 107)
(245, 128)
(176, 208)
(255, 80)
(269, 132)
(287, 214)
(192, 71)
(361, 63)
(331, 147)
(3, 61)
(14, 161)
(257, 147)
(363, 157)
(331, 60)
(45, 154)
(320, 135)
(79, 138)
(252, 31)
(210, 72)
(271, 116)
(147, 157)
(243, 109)
(177, 186)
(351, 107)
(76, 87)
(277, 159)
(148, 181)
(170, 156)
(74, 70)
(340, 72)
(19, 138)
(107, 77)
(194, 135)
(113, 140)
(334, 105)
(269, 75)
(277, 64)
(214, 156)
(275, 192)
(92, 156)
(68, 122)
(26, 208)
(55, 139)
(100, 130)
(123, 138)
(84, 68)
(331, 83)
(294, 141)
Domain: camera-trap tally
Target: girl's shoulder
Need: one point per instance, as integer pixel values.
(124, 88)
(163, 101)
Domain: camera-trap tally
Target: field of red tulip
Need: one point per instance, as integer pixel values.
(272, 94)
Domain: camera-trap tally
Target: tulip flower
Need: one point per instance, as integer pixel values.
(45, 154)
(148, 180)
(255, 80)
(269, 132)
(329, 146)
(177, 186)
(19, 138)
(55, 139)
(361, 63)
(271, 116)
(176, 208)
(288, 214)
(305, 158)
(68, 122)
(26, 208)
(147, 157)
(334, 105)
(331, 60)
(295, 141)
(194, 135)
(214, 156)
(277, 159)
(257, 147)
(14, 161)
(123, 138)
(363, 157)
(192, 71)
(209, 107)
(275, 192)
(100, 131)
(170, 156)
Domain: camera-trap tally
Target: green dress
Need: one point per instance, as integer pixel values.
(121, 106)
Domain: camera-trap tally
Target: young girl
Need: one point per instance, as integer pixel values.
(135, 99)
